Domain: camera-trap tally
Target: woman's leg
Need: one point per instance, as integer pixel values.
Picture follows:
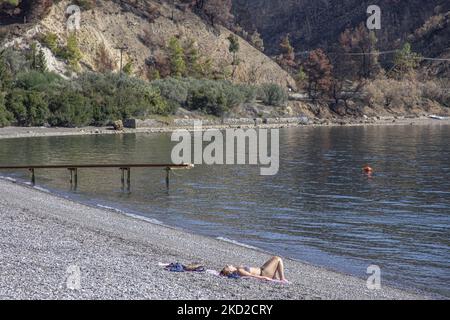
(273, 268)
(280, 270)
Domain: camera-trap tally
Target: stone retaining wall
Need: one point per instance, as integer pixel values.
(151, 123)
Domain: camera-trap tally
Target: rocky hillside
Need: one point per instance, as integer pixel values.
(162, 38)
(312, 23)
(145, 27)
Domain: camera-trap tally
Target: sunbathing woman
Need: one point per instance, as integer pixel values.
(271, 270)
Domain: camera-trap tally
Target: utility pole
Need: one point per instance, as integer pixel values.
(122, 49)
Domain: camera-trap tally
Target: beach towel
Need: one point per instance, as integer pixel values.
(178, 267)
(175, 267)
(234, 275)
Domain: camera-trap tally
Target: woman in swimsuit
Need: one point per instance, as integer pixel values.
(271, 270)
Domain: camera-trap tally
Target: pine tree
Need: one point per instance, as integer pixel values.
(41, 61)
(31, 56)
(177, 58)
(234, 49)
(405, 61)
(192, 58)
(6, 77)
(206, 67)
(301, 77)
(287, 58)
(72, 52)
(36, 58)
(50, 39)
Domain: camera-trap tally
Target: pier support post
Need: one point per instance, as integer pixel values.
(122, 178)
(128, 179)
(33, 177)
(167, 178)
(73, 177)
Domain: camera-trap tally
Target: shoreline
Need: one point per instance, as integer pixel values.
(30, 132)
(118, 256)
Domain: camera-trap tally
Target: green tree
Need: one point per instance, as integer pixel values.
(234, 48)
(206, 67)
(36, 58)
(142, 99)
(70, 109)
(192, 57)
(301, 77)
(14, 3)
(29, 108)
(287, 58)
(6, 76)
(41, 61)
(50, 39)
(174, 90)
(39, 81)
(177, 58)
(406, 61)
(273, 95)
(72, 52)
(128, 68)
(101, 91)
(210, 100)
(5, 115)
(112, 98)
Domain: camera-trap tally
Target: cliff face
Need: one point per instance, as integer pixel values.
(314, 23)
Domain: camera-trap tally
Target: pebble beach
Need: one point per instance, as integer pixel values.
(43, 238)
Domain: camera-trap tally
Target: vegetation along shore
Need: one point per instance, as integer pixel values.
(190, 59)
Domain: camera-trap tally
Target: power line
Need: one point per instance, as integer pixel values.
(435, 59)
(375, 53)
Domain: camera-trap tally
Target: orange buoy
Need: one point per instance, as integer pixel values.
(367, 169)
